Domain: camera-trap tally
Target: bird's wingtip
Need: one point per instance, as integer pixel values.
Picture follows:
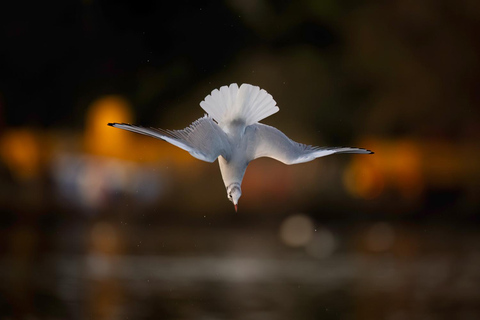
(111, 124)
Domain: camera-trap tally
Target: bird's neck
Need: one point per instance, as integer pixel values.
(232, 171)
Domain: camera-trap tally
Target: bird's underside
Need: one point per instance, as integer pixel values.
(232, 120)
(206, 141)
(231, 130)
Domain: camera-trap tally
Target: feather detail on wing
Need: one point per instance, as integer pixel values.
(271, 142)
(203, 139)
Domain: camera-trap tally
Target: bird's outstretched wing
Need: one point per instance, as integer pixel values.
(270, 142)
(203, 139)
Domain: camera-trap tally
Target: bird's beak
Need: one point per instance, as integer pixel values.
(236, 207)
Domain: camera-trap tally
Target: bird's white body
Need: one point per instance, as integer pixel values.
(232, 133)
(233, 169)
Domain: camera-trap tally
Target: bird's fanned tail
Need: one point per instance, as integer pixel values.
(247, 104)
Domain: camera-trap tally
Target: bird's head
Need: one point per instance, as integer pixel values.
(234, 192)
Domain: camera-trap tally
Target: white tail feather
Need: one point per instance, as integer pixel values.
(248, 103)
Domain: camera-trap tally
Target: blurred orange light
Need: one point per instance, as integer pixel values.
(20, 151)
(395, 164)
(406, 169)
(101, 139)
(363, 180)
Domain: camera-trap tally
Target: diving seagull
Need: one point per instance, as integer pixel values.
(231, 132)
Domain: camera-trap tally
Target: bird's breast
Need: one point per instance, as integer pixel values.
(233, 169)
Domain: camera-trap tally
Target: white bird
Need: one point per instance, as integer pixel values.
(231, 132)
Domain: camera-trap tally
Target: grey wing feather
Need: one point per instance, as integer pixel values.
(270, 142)
(203, 139)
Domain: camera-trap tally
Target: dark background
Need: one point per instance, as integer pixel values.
(97, 223)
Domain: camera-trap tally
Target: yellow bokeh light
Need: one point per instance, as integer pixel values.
(20, 150)
(101, 139)
(363, 180)
(395, 164)
(406, 169)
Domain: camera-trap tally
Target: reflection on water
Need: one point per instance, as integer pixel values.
(116, 271)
